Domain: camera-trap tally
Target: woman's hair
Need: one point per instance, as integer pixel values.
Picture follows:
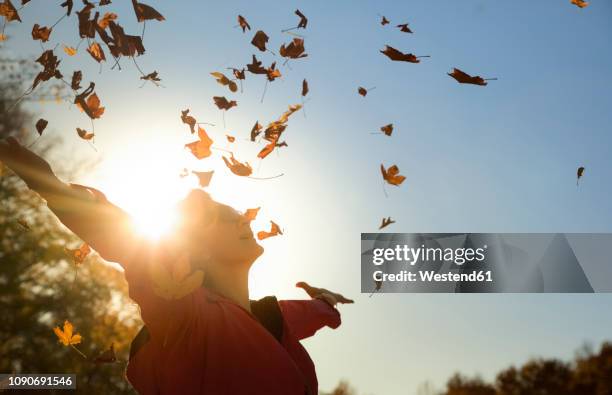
(195, 210)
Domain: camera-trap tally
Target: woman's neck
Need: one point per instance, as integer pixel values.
(232, 283)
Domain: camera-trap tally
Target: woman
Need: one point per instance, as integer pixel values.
(207, 340)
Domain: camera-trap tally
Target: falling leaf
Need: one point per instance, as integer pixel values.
(79, 254)
(89, 102)
(177, 282)
(251, 213)
(70, 51)
(387, 129)
(231, 139)
(272, 72)
(384, 21)
(87, 27)
(303, 20)
(223, 104)
(267, 150)
(580, 3)
(84, 134)
(50, 63)
(153, 77)
(2, 37)
(75, 84)
(145, 12)
(386, 222)
(201, 148)
(41, 33)
(275, 230)
(223, 80)
(396, 55)
(68, 4)
(189, 120)
(579, 174)
(259, 40)
(294, 50)
(391, 175)
(362, 91)
(255, 67)
(96, 52)
(255, 131)
(242, 22)
(8, 11)
(464, 78)
(204, 177)
(41, 124)
(66, 336)
(238, 74)
(107, 356)
(106, 19)
(404, 28)
(304, 88)
(238, 168)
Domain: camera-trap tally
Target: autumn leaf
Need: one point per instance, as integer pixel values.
(41, 33)
(397, 55)
(387, 129)
(204, 177)
(223, 80)
(386, 222)
(255, 130)
(106, 19)
(84, 134)
(384, 21)
(231, 139)
(201, 148)
(251, 213)
(50, 63)
(108, 356)
(66, 335)
(579, 3)
(304, 88)
(176, 282)
(294, 50)
(255, 67)
(242, 22)
(259, 40)
(2, 37)
(41, 124)
(267, 150)
(87, 27)
(79, 254)
(68, 4)
(75, 83)
(145, 12)
(404, 28)
(189, 120)
(303, 20)
(223, 104)
(153, 77)
(275, 230)
(579, 174)
(237, 167)
(70, 51)
(238, 74)
(89, 102)
(391, 175)
(272, 72)
(464, 78)
(96, 52)
(8, 11)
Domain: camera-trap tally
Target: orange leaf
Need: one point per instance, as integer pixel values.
(201, 148)
(66, 335)
(275, 230)
(391, 175)
(237, 167)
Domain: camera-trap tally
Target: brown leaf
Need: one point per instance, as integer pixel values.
(231, 139)
(223, 104)
(238, 168)
(304, 88)
(238, 74)
(89, 102)
(223, 80)
(50, 63)
(386, 222)
(87, 27)
(275, 230)
(242, 22)
(384, 21)
(259, 40)
(41, 124)
(41, 33)
(189, 120)
(579, 174)
(387, 129)
(362, 91)
(391, 175)
(84, 134)
(107, 356)
(255, 67)
(204, 177)
(153, 77)
(396, 55)
(404, 28)
(256, 130)
(464, 78)
(303, 20)
(145, 12)
(272, 72)
(294, 50)
(8, 11)
(96, 52)
(75, 84)
(68, 4)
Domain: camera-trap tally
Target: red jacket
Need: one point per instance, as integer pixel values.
(203, 343)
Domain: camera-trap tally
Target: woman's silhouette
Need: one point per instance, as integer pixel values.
(214, 340)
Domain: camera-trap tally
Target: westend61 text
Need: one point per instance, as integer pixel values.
(432, 276)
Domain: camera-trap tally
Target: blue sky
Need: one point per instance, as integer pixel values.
(501, 158)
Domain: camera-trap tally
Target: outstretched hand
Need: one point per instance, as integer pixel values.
(321, 293)
(26, 164)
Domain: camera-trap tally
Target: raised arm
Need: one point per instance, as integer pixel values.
(85, 211)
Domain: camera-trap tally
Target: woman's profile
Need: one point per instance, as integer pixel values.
(213, 339)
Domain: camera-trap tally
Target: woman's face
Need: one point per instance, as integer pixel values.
(230, 239)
